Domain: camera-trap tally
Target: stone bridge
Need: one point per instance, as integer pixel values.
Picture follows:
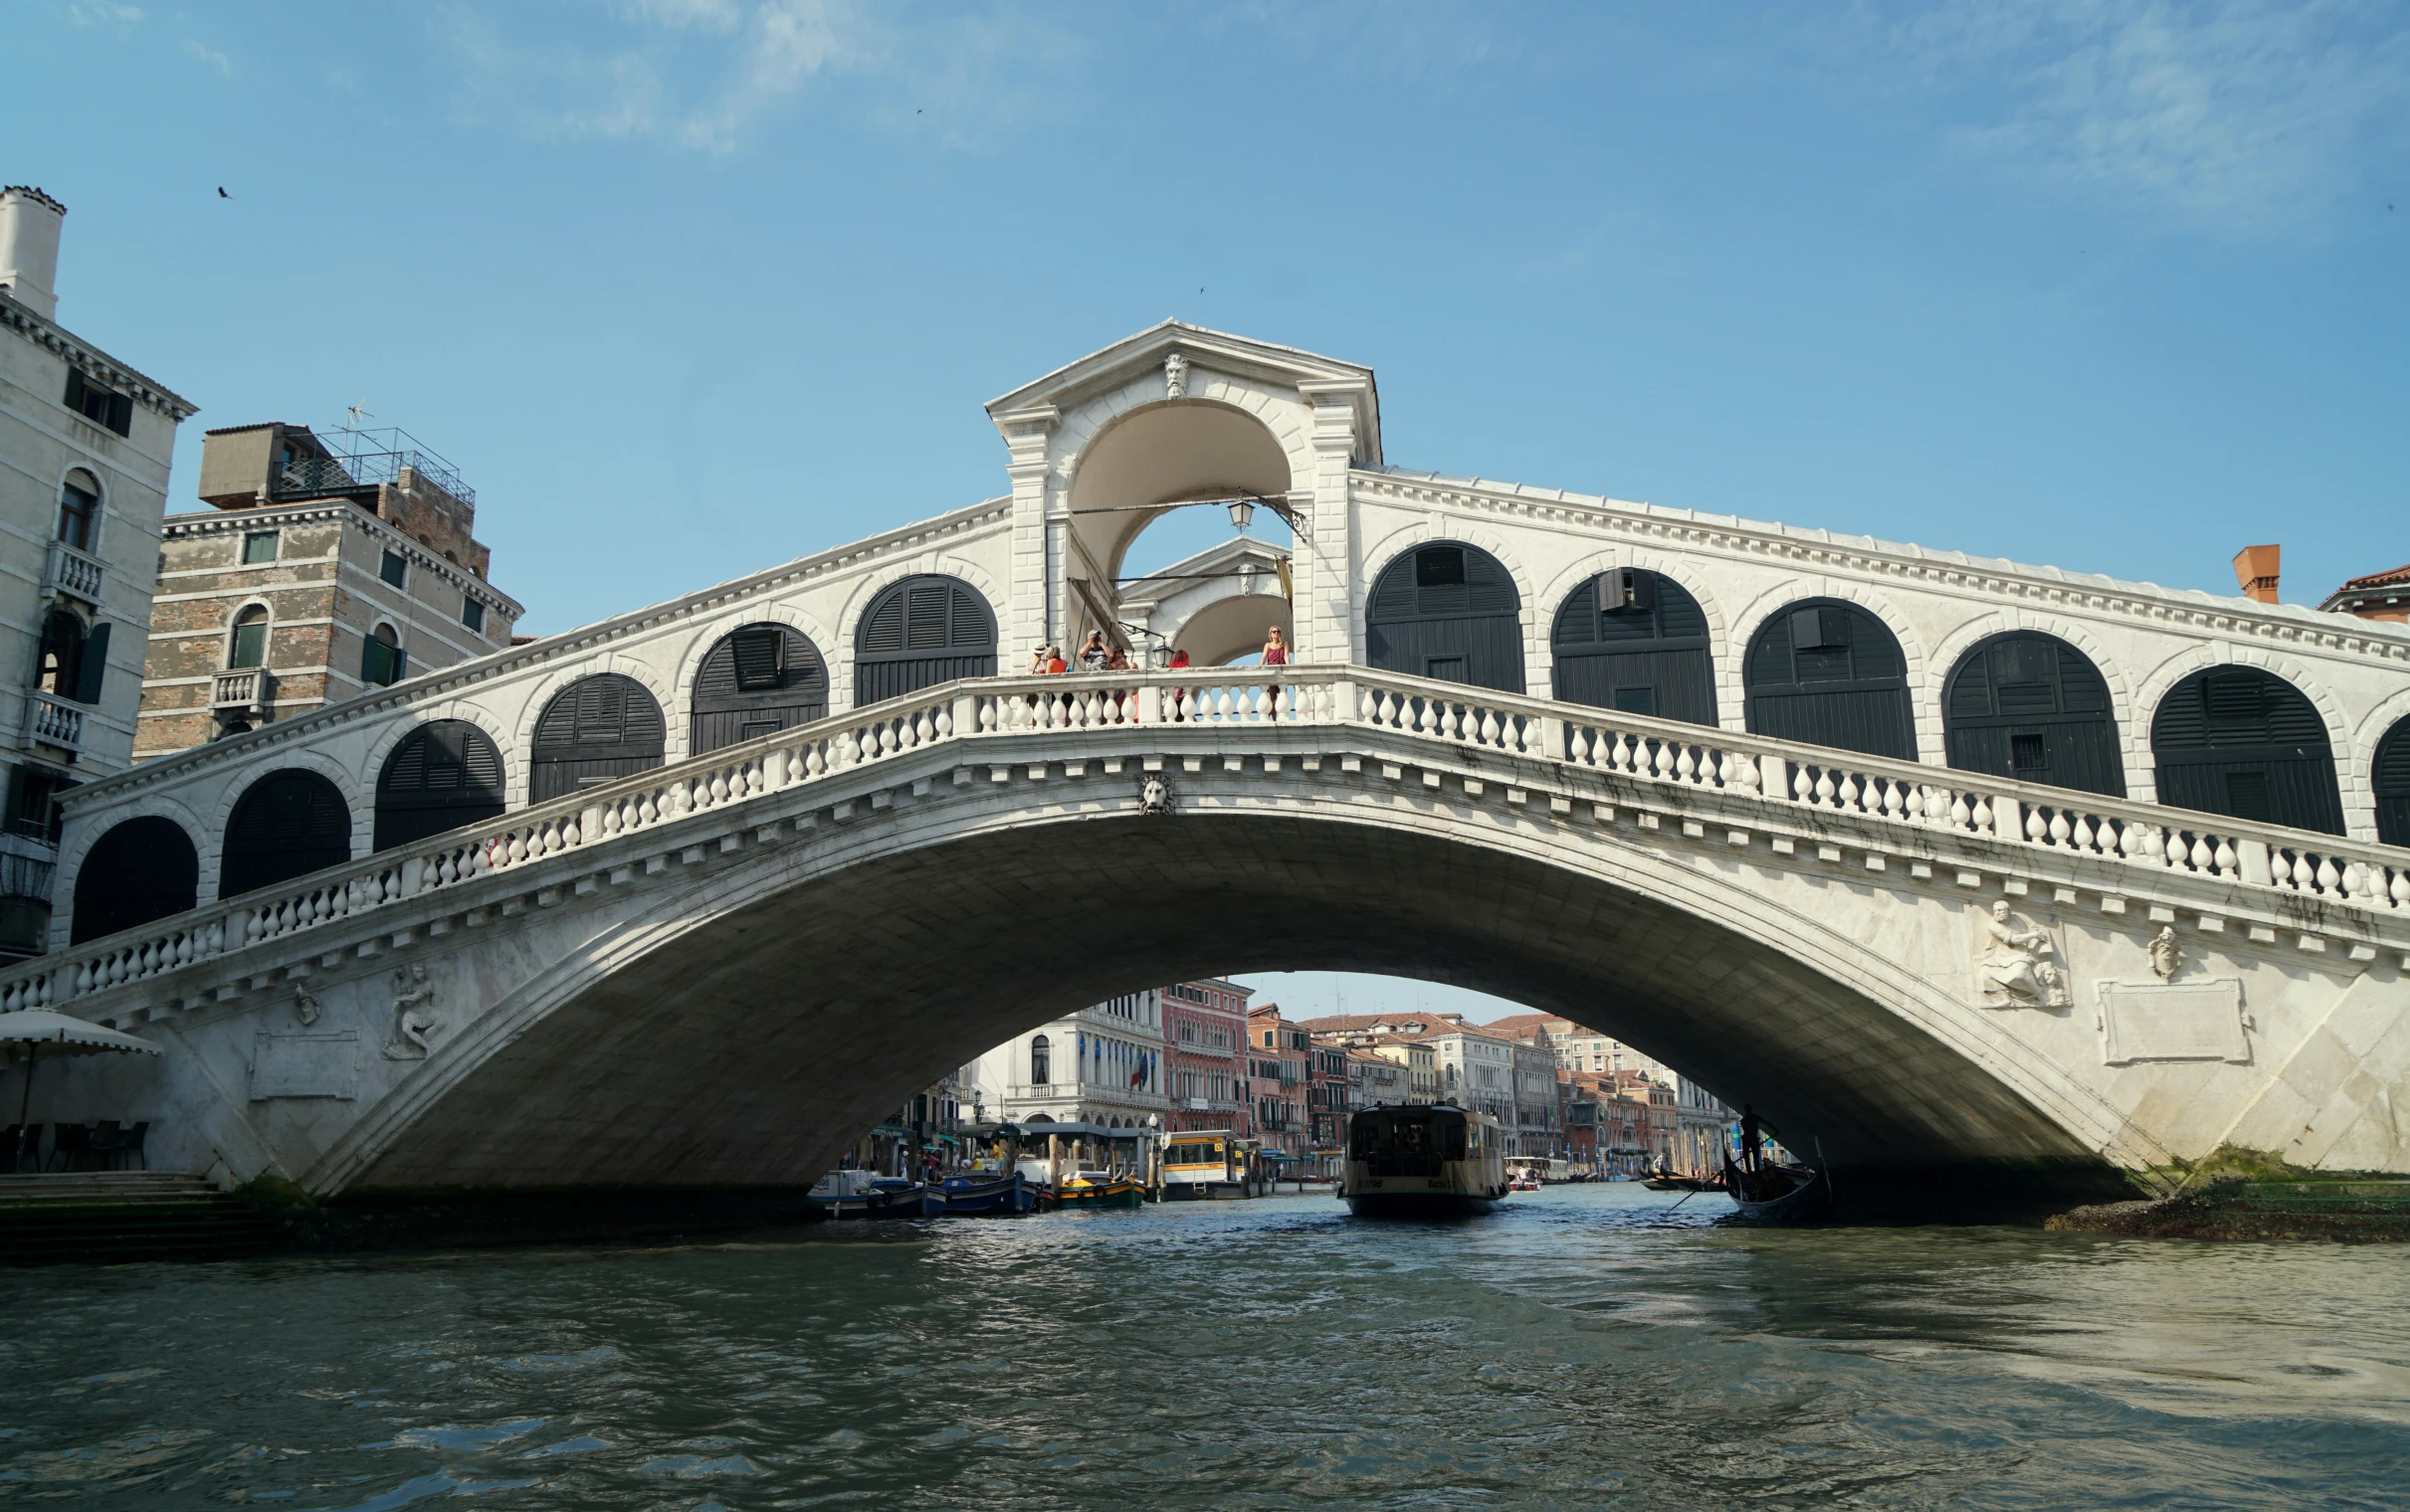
(1942, 862)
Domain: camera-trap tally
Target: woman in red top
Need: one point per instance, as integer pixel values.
(1276, 654)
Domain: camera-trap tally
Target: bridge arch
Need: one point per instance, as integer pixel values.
(2030, 706)
(287, 824)
(1653, 654)
(1165, 452)
(2240, 741)
(138, 870)
(920, 630)
(755, 680)
(695, 1003)
(1831, 672)
(600, 727)
(1447, 609)
(443, 773)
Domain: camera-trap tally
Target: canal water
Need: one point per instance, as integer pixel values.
(1591, 1347)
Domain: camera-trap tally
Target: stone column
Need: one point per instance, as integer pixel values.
(1324, 567)
(1027, 618)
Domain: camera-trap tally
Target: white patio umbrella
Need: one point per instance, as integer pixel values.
(37, 1031)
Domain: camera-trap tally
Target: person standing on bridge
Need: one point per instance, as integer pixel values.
(1092, 654)
(1276, 654)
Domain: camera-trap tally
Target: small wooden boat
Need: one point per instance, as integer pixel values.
(1667, 1181)
(857, 1193)
(1779, 1194)
(1100, 1189)
(985, 1195)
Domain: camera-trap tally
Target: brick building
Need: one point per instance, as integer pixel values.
(1205, 1055)
(315, 575)
(1276, 1065)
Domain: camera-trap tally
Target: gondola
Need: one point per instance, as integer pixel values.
(1774, 1194)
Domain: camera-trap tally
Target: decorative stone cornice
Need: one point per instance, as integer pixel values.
(245, 522)
(88, 358)
(569, 646)
(2281, 623)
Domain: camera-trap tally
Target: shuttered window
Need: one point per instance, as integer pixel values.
(287, 824)
(921, 632)
(1831, 673)
(1447, 610)
(442, 776)
(1645, 653)
(2241, 742)
(2028, 706)
(756, 682)
(594, 732)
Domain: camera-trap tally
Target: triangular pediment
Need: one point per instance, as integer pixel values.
(1110, 367)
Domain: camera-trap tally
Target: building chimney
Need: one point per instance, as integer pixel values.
(2254, 567)
(29, 249)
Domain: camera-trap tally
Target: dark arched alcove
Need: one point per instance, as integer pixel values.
(2245, 743)
(287, 825)
(756, 680)
(1829, 673)
(442, 776)
(139, 870)
(2392, 781)
(596, 731)
(1448, 610)
(921, 632)
(1635, 641)
(2029, 706)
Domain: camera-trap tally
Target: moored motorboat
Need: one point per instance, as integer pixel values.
(860, 1193)
(989, 1195)
(1100, 1189)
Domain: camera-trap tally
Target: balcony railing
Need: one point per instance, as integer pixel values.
(244, 693)
(54, 721)
(370, 458)
(73, 574)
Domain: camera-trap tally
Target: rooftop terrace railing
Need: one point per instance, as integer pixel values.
(2134, 844)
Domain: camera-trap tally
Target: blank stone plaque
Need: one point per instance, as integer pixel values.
(304, 1065)
(2154, 1021)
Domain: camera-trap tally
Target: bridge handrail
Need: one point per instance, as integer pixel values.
(1666, 753)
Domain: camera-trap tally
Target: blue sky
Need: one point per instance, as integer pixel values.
(689, 287)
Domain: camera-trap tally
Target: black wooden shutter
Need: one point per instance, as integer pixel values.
(94, 665)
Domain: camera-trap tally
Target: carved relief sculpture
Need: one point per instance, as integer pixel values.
(2166, 956)
(1175, 376)
(414, 1015)
(2015, 969)
(305, 1006)
(1154, 795)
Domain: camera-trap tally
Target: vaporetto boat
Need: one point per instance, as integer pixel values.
(1417, 1161)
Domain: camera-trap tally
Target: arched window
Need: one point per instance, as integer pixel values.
(1448, 610)
(2392, 781)
(596, 731)
(1635, 641)
(921, 632)
(756, 682)
(287, 824)
(1040, 1060)
(79, 509)
(138, 871)
(1828, 672)
(59, 670)
(247, 642)
(2237, 741)
(382, 659)
(2029, 706)
(442, 776)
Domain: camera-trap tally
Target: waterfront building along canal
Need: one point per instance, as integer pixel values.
(1760, 798)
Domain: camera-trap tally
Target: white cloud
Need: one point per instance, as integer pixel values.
(117, 17)
(210, 56)
(2244, 116)
(709, 75)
